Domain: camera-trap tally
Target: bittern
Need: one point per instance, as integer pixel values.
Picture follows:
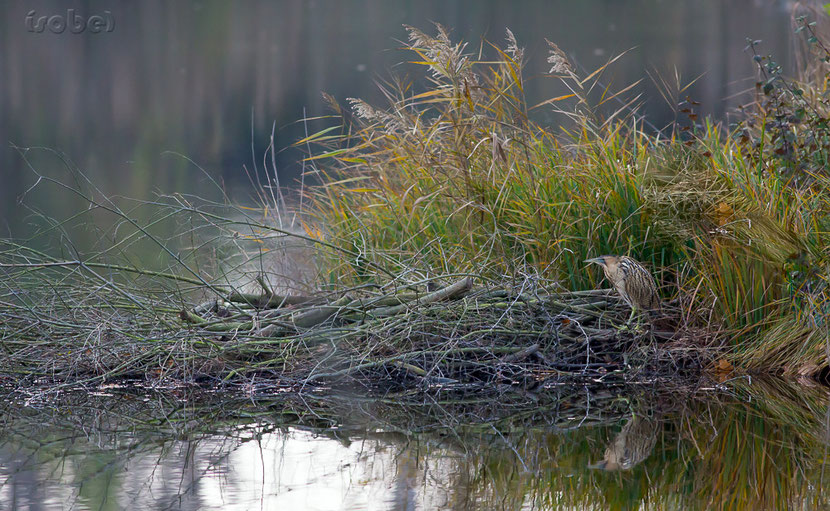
(633, 282)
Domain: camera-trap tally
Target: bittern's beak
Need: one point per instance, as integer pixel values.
(600, 465)
(599, 260)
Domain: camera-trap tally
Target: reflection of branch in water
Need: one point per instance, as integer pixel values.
(513, 448)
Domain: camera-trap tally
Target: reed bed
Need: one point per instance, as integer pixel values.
(454, 175)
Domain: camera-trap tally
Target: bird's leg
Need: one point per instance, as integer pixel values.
(627, 325)
(638, 326)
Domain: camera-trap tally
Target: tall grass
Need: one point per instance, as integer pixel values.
(454, 176)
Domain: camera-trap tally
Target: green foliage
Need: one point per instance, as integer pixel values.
(459, 179)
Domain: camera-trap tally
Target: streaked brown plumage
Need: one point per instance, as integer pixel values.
(633, 282)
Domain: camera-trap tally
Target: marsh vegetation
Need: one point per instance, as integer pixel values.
(442, 240)
(422, 290)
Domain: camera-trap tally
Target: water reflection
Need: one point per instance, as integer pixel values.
(632, 445)
(747, 446)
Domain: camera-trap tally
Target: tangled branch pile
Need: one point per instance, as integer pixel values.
(454, 334)
(457, 334)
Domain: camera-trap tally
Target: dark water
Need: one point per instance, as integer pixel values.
(741, 445)
(189, 79)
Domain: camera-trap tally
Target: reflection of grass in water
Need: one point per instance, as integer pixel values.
(766, 453)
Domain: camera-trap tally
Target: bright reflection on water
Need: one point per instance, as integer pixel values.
(759, 445)
(287, 470)
(299, 470)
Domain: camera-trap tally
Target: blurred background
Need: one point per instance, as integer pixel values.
(167, 86)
